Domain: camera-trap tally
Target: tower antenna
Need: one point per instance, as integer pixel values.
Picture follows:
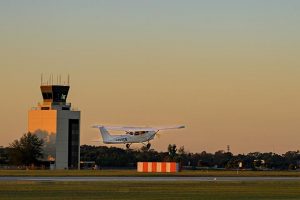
(228, 148)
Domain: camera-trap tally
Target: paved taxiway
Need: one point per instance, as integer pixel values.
(171, 179)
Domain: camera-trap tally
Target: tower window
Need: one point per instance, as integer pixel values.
(47, 95)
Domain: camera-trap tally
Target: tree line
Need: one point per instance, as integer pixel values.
(117, 157)
(28, 150)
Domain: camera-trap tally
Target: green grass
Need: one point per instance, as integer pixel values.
(149, 190)
(134, 173)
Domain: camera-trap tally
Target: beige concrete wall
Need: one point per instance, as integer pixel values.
(43, 124)
(44, 120)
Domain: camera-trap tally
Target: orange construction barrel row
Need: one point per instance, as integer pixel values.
(158, 167)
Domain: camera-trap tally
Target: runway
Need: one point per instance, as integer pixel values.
(149, 179)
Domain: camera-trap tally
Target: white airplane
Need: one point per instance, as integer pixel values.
(133, 134)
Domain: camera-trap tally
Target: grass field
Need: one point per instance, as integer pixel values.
(146, 190)
(134, 173)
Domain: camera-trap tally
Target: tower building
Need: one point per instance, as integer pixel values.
(58, 124)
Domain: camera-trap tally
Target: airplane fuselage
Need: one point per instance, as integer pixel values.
(130, 138)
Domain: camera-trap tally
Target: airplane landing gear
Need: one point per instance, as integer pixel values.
(127, 146)
(148, 146)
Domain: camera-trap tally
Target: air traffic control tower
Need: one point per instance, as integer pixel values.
(58, 125)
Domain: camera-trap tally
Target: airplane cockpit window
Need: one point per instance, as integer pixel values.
(139, 132)
(136, 133)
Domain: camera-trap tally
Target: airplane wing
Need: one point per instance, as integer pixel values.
(126, 128)
(170, 127)
(133, 128)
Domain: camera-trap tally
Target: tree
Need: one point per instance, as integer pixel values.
(221, 158)
(27, 150)
(3, 155)
(204, 159)
(172, 151)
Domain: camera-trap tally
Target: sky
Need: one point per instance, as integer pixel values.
(228, 70)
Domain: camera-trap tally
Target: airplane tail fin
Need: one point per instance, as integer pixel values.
(104, 133)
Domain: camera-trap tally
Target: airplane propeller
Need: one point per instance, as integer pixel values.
(158, 135)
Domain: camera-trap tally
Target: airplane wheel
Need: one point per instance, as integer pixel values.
(148, 146)
(127, 146)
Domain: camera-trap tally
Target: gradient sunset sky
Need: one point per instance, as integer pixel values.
(228, 70)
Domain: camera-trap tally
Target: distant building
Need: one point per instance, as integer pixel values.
(58, 125)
